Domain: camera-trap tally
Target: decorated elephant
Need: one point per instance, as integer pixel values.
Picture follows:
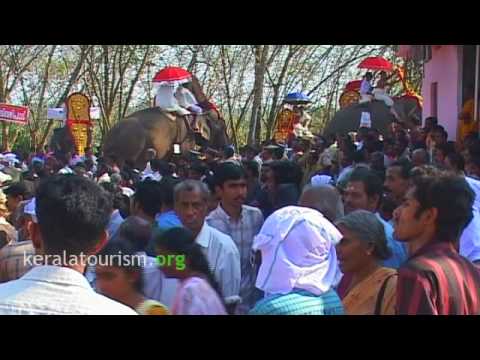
(348, 119)
(153, 128)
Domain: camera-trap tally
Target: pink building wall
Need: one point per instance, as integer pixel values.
(444, 68)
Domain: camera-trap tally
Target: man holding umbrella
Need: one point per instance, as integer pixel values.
(302, 119)
(378, 63)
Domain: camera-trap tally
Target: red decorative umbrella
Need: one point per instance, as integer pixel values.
(376, 63)
(172, 74)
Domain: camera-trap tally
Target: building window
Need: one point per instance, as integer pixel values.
(434, 99)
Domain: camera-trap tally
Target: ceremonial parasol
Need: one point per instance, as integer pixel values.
(297, 98)
(173, 75)
(376, 63)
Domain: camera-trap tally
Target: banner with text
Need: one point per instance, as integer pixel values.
(14, 113)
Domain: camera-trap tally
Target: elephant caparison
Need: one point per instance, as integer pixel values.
(348, 119)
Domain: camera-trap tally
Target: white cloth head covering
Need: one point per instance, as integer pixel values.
(298, 251)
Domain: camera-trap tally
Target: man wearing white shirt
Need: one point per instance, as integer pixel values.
(241, 223)
(191, 204)
(72, 214)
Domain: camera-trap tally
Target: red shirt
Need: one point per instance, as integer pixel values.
(437, 280)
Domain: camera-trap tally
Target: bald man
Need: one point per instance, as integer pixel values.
(324, 198)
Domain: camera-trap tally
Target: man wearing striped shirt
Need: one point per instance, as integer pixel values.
(436, 279)
(241, 223)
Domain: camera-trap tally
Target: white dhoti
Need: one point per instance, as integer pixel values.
(381, 95)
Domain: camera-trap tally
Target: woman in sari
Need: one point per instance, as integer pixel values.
(371, 289)
(298, 270)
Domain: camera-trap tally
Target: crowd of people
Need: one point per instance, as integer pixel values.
(358, 224)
